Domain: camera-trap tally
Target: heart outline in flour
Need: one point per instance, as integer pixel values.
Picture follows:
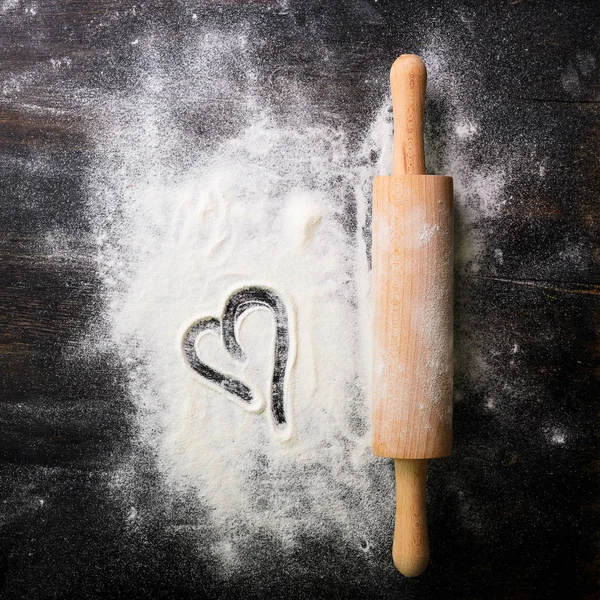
(237, 305)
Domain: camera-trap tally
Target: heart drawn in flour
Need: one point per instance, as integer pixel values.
(236, 306)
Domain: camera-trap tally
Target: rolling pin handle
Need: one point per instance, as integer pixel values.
(408, 80)
(411, 544)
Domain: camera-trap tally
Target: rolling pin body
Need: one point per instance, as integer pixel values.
(412, 290)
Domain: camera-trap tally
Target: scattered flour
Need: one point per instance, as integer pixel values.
(477, 183)
(267, 206)
(557, 436)
(466, 130)
(175, 253)
(9, 5)
(281, 201)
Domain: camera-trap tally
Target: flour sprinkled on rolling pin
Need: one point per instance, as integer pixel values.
(412, 337)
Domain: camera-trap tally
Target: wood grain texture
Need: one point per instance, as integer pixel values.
(412, 308)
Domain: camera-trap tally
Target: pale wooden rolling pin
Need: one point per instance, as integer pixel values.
(412, 289)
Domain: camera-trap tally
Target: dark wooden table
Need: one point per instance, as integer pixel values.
(514, 511)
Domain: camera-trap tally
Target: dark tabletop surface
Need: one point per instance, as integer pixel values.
(514, 511)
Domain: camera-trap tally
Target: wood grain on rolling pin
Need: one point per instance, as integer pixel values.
(412, 287)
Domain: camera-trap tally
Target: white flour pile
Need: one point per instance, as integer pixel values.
(180, 250)
(180, 227)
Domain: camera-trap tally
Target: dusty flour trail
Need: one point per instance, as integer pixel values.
(182, 228)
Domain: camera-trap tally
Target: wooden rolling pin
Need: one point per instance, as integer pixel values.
(412, 290)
